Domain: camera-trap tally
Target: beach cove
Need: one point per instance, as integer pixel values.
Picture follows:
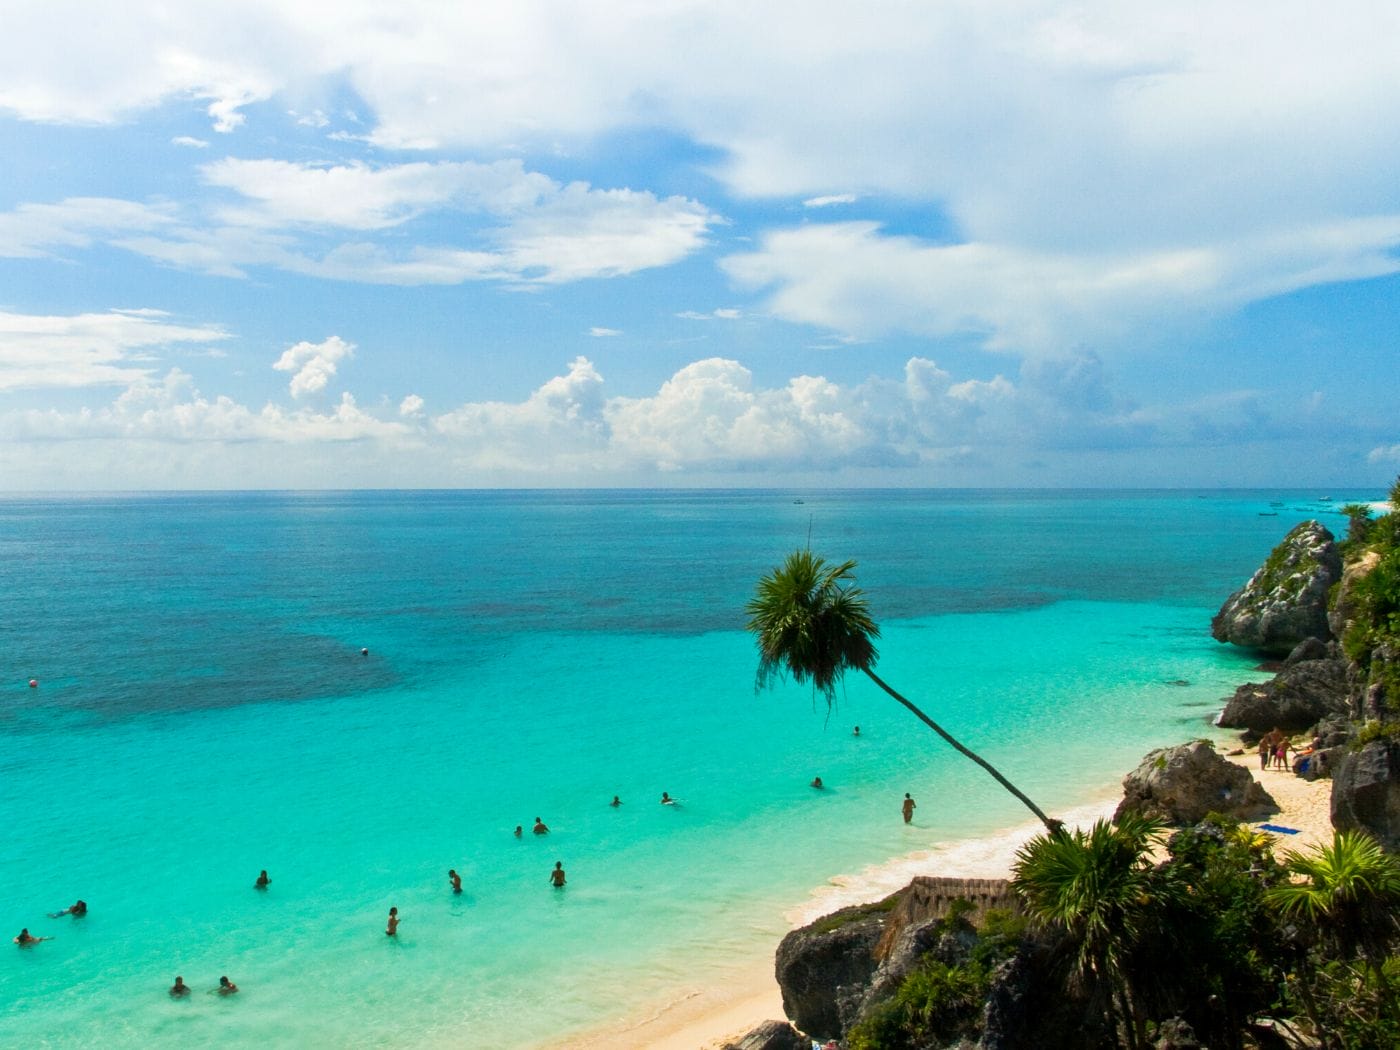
(204, 711)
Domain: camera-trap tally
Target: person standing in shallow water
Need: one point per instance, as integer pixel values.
(393, 928)
(909, 805)
(556, 877)
(263, 881)
(455, 879)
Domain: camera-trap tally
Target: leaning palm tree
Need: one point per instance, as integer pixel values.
(814, 624)
(1098, 889)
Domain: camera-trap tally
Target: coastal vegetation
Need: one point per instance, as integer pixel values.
(812, 622)
(1218, 944)
(1119, 936)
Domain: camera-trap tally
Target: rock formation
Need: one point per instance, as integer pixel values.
(1303, 693)
(1285, 601)
(824, 969)
(834, 970)
(1182, 784)
(1366, 791)
(771, 1035)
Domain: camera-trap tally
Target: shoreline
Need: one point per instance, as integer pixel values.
(707, 1018)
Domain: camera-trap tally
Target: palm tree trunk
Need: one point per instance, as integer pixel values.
(1052, 825)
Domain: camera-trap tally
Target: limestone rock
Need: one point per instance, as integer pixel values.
(1184, 783)
(916, 929)
(1366, 792)
(1343, 609)
(824, 969)
(1285, 601)
(771, 1035)
(1298, 697)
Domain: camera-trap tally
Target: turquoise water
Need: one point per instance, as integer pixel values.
(203, 711)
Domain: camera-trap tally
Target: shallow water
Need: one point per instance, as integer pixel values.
(204, 711)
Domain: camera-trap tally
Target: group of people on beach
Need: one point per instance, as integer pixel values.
(1274, 747)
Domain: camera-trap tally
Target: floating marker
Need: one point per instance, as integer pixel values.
(34, 683)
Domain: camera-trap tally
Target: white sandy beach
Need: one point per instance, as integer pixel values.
(708, 1018)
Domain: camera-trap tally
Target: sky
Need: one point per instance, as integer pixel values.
(972, 243)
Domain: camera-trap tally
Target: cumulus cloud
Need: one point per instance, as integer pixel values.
(314, 364)
(118, 347)
(710, 419)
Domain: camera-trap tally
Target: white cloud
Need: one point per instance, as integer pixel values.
(560, 425)
(829, 200)
(603, 333)
(114, 348)
(709, 420)
(1384, 454)
(34, 230)
(190, 141)
(722, 314)
(1110, 158)
(855, 279)
(314, 364)
(519, 226)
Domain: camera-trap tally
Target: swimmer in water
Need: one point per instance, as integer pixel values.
(855, 731)
(393, 927)
(226, 987)
(615, 802)
(817, 782)
(455, 879)
(78, 908)
(26, 940)
(667, 800)
(556, 877)
(179, 988)
(519, 830)
(908, 808)
(263, 881)
(539, 828)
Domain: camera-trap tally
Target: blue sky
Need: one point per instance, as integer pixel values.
(250, 245)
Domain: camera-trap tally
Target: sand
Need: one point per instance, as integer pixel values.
(706, 1019)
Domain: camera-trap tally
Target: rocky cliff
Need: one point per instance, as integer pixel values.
(1284, 602)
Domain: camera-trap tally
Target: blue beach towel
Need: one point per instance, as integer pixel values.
(1278, 828)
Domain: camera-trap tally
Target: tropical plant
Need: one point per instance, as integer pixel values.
(1097, 888)
(814, 624)
(1350, 893)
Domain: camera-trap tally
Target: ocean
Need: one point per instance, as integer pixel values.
(203, 710)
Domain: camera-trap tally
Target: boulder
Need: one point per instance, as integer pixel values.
(1285, 601)
(771, 1035)
(824, 969)
(1366, 792)
(1184, 783)
(1298, 697)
